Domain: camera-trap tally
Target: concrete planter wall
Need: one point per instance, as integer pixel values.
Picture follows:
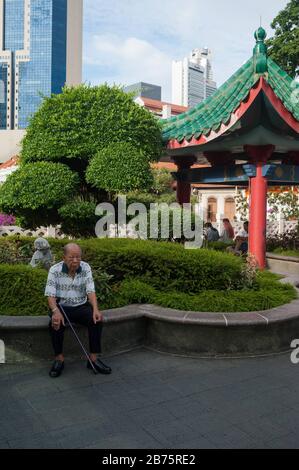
(167, 330)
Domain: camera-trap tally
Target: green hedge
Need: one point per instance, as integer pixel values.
(268, 293)
(162, 265)
(22, 293)
(22, 290)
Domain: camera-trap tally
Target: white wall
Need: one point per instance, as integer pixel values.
(10, 144)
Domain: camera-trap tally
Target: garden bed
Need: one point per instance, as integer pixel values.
(142, 272)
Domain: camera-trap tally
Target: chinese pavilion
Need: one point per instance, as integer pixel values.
(248, 134)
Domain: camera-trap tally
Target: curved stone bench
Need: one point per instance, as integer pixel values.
(165, 330)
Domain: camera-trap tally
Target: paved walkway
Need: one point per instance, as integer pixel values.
(153, 401)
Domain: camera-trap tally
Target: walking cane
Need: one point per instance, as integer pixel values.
(78, 339)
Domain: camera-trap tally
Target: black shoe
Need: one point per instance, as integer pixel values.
(100, 367)
(56, 370)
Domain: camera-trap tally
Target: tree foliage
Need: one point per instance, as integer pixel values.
(62, 139)
(35, 192)
(120, 167)
(83, 120)
(284, 45)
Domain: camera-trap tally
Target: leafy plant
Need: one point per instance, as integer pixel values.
(285, 202)
(35, 191)
(286, 241)
(284, 45)
(68, 130)
(120, 167)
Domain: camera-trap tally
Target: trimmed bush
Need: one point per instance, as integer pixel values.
(268, 293)
(22, 290)
(78, 218)
(22, 293)
(162, 265)
(35, 191)
(120, 167)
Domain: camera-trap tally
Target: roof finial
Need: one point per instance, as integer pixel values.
(260, 51)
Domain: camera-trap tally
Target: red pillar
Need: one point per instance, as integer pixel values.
(258, 203)
(184, 187)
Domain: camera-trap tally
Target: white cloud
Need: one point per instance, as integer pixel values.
(130, 60)
(120, 32)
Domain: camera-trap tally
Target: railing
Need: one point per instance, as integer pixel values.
(47, 232)
(273, 228)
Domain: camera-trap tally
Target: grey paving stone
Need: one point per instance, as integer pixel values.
(42, 442)
(4, 444)
(126, 441)
(153, 401)
(288, 441)
(171, 434)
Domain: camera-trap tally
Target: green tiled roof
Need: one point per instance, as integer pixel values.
(217, 110)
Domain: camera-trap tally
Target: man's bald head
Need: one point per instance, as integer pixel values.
(70, 248)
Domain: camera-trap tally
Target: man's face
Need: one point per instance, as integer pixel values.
(73, 258)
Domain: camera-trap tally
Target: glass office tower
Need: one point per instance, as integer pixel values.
(35, 54)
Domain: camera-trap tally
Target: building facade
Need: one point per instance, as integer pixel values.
(192, 78)
(145, 90)
(161, 109)
(40, 52)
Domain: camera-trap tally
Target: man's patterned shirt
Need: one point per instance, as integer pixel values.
(72, 292)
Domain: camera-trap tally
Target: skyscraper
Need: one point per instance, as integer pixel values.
(40, 52)
(145, 90)
(192, 78)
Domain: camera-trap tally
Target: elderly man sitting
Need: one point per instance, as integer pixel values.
(71, 283)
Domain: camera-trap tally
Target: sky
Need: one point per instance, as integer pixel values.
(128, 41)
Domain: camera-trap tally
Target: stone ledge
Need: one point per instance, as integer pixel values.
(153, 312)
(164, 329)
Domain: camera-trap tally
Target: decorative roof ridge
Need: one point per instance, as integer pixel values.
(225, 86)
(219, 108)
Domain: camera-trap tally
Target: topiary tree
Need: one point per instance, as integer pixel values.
(78, 218)
(81, 121)
(69, 130)
(35, 192)
(119, 168)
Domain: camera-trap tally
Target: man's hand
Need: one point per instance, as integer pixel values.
(97, 316)
(57, 320)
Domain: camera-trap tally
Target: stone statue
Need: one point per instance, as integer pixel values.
(42, 257)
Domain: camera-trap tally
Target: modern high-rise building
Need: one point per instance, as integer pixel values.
(192, 78)
(145, 90)
(40, 52)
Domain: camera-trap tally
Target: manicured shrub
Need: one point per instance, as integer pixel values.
(22, 294)
(268, 293)
(120, 167)
(78, 218)
(22, 290)
(162, 265)
(218, 246)
(35, 192)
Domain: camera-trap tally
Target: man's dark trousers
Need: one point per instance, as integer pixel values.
(83, 315)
